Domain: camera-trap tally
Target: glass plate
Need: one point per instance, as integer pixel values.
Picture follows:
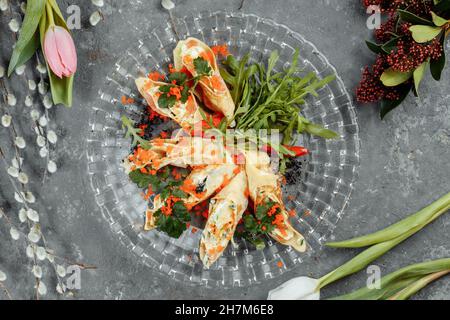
(320, 188)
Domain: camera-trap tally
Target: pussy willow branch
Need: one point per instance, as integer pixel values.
(241, 5)
(47, 144)
(6, 291)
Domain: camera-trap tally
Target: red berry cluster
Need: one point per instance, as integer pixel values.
(410, 54)
(370, 88)
(407, 55)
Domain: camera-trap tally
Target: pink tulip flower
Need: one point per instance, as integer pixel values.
(60, 52)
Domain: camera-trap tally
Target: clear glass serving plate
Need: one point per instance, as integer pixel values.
(320, 188)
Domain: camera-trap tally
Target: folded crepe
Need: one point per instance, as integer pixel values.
(215, 93)
(185, 114)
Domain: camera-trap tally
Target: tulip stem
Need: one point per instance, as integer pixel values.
(49, 10)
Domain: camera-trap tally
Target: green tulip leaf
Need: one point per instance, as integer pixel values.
(393, 78)
(26, 45)
(438, 21)
(59, 18)
(422, 34)
(418, 74)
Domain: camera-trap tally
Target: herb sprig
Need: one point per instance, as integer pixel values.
(134, 133)
(182, 84)
(266, 99)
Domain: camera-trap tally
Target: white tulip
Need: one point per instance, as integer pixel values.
(301, 288)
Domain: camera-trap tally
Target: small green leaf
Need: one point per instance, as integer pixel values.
(422, 34)
(179, 77)
(393, 78)
(389, 105)
(27, 42)
(320, 131)
(412, 18)
(418, 74)
(437, 66)
(202, 67)
(390, 45)
(375, 48)
(438, 21)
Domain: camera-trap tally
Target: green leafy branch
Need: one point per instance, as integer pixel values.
(423, 31)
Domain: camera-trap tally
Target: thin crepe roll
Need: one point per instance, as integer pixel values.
(216, 95)
(264, 185)
(185, 114)
(225, 211)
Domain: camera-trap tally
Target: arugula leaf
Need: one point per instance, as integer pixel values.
(133, 132)
(266, 99)
(202, 67)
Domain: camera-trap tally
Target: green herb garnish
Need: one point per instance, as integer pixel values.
(270, 100)
(134, 133)
(202, 67)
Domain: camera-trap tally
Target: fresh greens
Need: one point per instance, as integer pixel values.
(266, 99)
(175, 223)
(261, 223)
(134, 133)
(202, 67)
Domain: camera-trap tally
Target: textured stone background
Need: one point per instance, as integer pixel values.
(404, 159)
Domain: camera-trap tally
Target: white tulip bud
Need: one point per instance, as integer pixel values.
(301, 288)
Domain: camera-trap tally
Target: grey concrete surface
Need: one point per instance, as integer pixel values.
(404, 159)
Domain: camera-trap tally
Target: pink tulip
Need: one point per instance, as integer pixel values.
(60, 52)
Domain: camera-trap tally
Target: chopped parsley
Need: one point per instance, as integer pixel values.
(261, 223)
(202, 67)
